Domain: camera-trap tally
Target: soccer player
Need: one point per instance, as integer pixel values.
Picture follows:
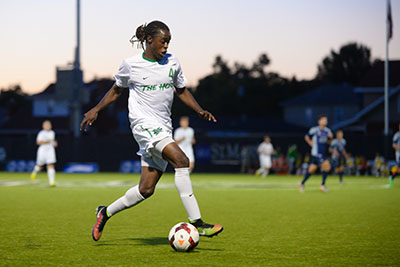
(46, 154)
(265, 150)
(338, 151)
(317, 138)
(184, 137)
(396, 146)
(152, 78)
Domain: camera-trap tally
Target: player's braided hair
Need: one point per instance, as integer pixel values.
(146, 30)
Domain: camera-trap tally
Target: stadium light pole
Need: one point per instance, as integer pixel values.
(386, 112)
(77, 79)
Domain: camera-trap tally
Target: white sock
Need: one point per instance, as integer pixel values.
(184, 186)
(51, 173)
(36, 169)
(131, 198)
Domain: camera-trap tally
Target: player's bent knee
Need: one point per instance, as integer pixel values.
(146, 192)
(182, 161)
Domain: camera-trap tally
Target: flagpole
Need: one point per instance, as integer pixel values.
(386, 131)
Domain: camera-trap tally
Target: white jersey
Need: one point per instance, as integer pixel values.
(187, 134)
(151, 86)
(265, 149)
(186, 144)
(46, 153)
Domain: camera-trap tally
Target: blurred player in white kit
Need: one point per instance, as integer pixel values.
(184, 137)
(46, 154)
(265, 151)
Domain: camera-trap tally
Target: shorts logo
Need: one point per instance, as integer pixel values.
(157, 131)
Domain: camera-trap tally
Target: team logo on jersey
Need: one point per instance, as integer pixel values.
(157, 131)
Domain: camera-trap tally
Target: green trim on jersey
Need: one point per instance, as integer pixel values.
(148, 59)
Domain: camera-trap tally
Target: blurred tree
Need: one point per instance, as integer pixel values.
(12, 100)
(348, 65)
(258, 66)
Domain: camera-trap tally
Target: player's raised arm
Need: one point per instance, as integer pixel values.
(187, 98)
(109, 98)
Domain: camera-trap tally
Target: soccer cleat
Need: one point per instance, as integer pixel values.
(341, 183)
(33, 176)
(53, 185)
(205, 229)
(101, 214)
(301, 188)
(323, 188)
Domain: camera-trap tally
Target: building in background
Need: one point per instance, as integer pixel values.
(369, 119)
(338, 101)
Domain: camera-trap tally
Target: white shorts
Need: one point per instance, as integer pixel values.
(45, 157)
(265, 161)
(152, 139)
(188, 152)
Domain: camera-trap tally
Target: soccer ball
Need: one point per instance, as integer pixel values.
(183, 237)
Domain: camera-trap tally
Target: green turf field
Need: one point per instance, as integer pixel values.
(267, 222)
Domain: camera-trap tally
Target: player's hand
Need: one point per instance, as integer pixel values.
(207, 116)
(88, 119)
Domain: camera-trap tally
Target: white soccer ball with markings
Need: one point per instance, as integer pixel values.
(183, 237)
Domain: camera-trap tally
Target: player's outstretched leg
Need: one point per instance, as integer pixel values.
(102, 217)
(132, 197)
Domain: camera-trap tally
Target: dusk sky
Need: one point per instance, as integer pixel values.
(37, 36)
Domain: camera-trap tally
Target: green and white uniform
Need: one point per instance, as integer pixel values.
(151, 92)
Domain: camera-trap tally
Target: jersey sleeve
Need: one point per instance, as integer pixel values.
(123, 76)
(344, 143)
(328, 130)
(311, 132)
(396, 138)
(179, 78)
(259, 148)
(40, 137)
(178, 134)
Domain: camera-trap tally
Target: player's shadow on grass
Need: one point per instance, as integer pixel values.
(151, 241)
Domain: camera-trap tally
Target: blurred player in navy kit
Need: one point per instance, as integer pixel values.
(337, 148)
(318, 138)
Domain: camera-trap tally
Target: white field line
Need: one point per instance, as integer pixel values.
(211, 185)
